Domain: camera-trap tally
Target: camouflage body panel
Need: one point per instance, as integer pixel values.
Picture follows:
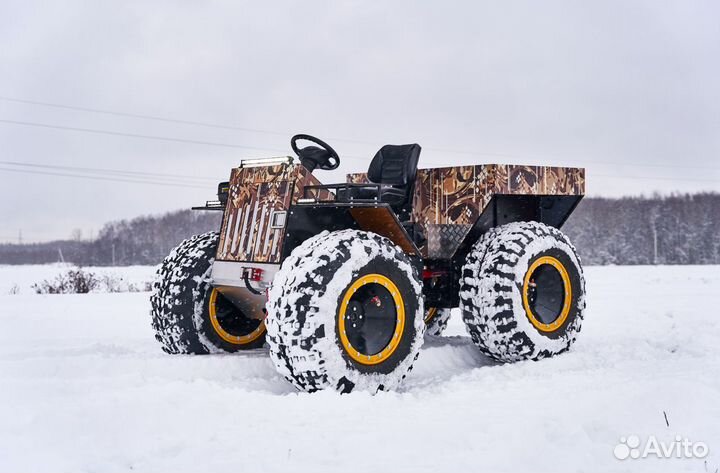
(448, 201)
(357, 178)
(457, 195)
(255, 194)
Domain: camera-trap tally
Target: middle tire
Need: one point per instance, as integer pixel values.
(345, 312)
(436, 321)
(522, 292)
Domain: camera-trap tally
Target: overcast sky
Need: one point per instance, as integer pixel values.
(628, 89)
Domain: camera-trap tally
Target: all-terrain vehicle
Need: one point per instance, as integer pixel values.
(344, 281)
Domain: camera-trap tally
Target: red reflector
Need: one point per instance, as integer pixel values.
(255, 274)
(428, 273)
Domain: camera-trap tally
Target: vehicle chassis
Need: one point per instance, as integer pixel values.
(272, 206)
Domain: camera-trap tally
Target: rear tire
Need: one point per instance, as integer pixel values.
(345, 313)
(190, 316)
(522, 292)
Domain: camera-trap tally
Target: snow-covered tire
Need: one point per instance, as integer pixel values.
(436, 321)
(310, 302)
(501, 281)
(181, 302)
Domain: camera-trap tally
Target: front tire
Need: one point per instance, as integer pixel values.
(522, 292)
(345, 313)
(190, 316)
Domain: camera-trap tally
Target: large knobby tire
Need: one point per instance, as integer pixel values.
(436, 321)
(188, 314)
(317, 334)
(522, 292)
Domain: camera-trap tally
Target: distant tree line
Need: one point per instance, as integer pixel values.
(679, 229)
(142, 240)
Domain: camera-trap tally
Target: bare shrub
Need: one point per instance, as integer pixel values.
(74, 281)
(79, 281)
(114, 283)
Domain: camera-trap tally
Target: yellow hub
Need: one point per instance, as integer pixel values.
(224, 334)
(567, 293)
(394, 342)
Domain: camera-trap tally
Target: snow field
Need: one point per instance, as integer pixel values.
(85, 387)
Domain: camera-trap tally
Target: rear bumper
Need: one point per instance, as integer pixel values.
(228, 278)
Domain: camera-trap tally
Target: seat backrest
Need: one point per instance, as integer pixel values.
(396, 165)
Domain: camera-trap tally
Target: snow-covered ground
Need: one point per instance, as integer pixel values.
(85, 387)
(20, 279)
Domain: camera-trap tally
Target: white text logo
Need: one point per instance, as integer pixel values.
(631, 447)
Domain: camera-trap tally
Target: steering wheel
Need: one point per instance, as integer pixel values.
(321, 156)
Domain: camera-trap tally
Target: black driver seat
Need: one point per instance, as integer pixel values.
(395, 168)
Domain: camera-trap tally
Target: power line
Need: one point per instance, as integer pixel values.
(168, 120)
(228, 145)
(285, 134)
(136, 135)
(646, 178)
(144, 117)
(102, 178)
(109, 171)
(188, 185)
(584, 162)
(187, 141)
(152, 137)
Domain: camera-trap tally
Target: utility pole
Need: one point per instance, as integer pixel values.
(653, 227)
(655, 259)
(20, 237)
(113, 254)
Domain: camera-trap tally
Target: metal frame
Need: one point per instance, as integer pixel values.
(258, 162)
(306, 220)
(344, 186)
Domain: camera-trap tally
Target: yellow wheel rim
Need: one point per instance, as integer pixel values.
(224, 334)
(390, 348)
(567, 302)
(430, 314)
